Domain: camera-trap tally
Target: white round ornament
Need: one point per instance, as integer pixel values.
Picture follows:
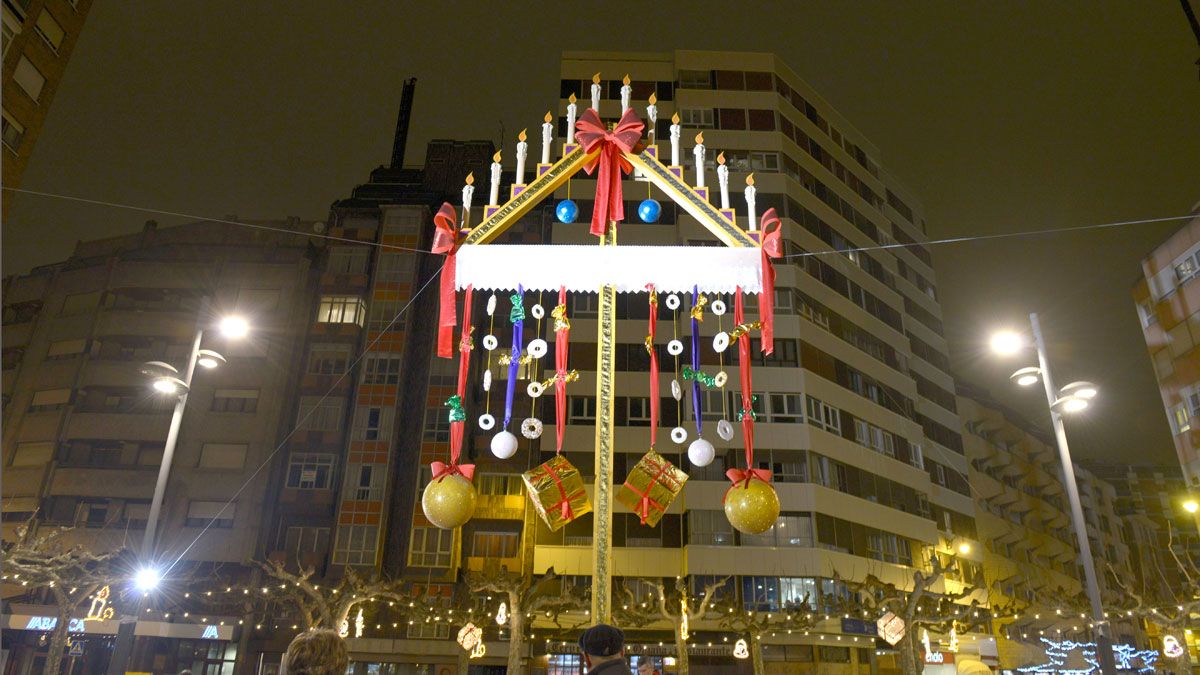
(676, 390)
(490, 342)
(491, 306)
(718, 307)
(674, 347)
(720, 378)
(534, 389)
(672, 302)
(486, 422)
(504, 444)
(537, 311)
(720, 342)
(679, 435)
(531, 428)
(487, 380)
(538, 348)
(725, 430)
(701, 452)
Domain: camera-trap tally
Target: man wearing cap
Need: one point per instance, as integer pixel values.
(603, 648)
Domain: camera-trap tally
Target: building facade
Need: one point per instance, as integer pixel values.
(39, 36)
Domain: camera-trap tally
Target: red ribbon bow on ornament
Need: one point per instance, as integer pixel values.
(772, 247)
(610, 200)
(744, 476)
(441, 470)
(446, 240)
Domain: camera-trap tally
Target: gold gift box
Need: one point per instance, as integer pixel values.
(652, 485)
(556, 490)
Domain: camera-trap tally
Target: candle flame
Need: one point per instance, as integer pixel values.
(750, 179)
(653, 99)
(548, 117)
(571, 98)
(700, 138)
(471, 178)
(625, 80)
(721, 157)
(674, 118)
(596, 78)
(521, 136)
(496, 157)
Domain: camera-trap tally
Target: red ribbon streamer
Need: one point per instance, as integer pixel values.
(772, 247)
(739, 317)
(645, 503)
(561, 350)
(441, 470)
(654, 400)
(564, 502)
(610, 200)
(446, 240)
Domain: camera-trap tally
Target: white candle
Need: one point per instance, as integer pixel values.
(675, 131)
(494, 195)
(698, 152)
(596, 93)
(547, 137)
(522, 153)
(467, 194)
(651, 115)
(750, 192)
(572, 112)
(723, 179)
(626, 93)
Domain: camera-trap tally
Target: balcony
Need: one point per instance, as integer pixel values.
(122, 426)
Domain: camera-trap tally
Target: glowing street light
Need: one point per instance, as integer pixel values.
(146, 579)
(964, 548)
(1026, 376)
(209, 359)
(1191, 506)
(1007, 342)
(233, 327)
(166, 385)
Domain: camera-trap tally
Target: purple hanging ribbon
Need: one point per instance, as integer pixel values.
(518, 331)
(696, 363)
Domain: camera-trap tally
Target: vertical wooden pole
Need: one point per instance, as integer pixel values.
(603, 498)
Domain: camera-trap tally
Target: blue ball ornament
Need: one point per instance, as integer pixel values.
(649, 210)
(566, 211)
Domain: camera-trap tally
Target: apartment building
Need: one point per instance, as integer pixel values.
(39, 36)
(1167, 297)
(84, 432)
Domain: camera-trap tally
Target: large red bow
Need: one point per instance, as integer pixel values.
(772, 247)
(744, 476)
(610, 204)
(441, 470)
(446, 240)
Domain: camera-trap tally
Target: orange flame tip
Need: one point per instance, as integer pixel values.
(521, 136)
(471, 178)
(596, 78)
(750, 180)
(721, 157)
(625, 80)
(653, 99)
(548, 116)
(496, 157)
(571, 98)
(700, 138)
(674, 118)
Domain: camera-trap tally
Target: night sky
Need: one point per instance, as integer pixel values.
(1003, 117)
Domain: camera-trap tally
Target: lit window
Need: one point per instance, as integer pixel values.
(29, 78)
(431, 547)
(341, 309)
(1183, 421)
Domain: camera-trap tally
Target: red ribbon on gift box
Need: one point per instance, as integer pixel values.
(626, 137)
(645, 502)
(446, 240)
(564, 500)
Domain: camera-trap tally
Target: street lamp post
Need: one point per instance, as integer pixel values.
(1072, 398)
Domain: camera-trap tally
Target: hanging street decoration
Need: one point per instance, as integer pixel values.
(359, 624)
(502, 614)
(652, 485)
(891, 628)
(556, 490)
(953, 646)
(470, 636)
(1068, 657)
(740, 649)
(100, 610)
(479, 651)
(1172, 648)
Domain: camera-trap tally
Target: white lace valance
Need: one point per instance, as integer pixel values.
(672, 269)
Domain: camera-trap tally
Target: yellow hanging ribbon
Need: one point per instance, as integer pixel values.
(698, 308)
(560, 318)
(742, 329)
(571, 376)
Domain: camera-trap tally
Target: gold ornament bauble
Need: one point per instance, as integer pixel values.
(449, 501)
(752, 507)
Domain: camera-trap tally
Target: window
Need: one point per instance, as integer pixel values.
(373, 423)
(798, 592)
(762, 120)
(65, 348)
(32, 454)
(309, 471)
(386, 315)
(223, 456)
(14, 132)
(341, 309)
(135, 514)
(437, 425)
(306, 540)
(430, 547)
(328, 359)
(788, 530)
(638, 411)
(499, 484)
(78, 303)
(316, 414)
(220, 514)
(9, 34)
(382, 369)
(760, 593)
(709, 528)
(235, 400)
(50, 30)
(29, 78)
(348, 259)
(49, 399)
(583, 410)
(495, 544)
(364, 482)
(1186, 268)
(394, 268)
(824, 416)
(585, 304)
(257, 300)
(697, 118)
(787, 408)
(564, 664)
(713, 405)
(695, 79)
(356, 545)
(917, 459)
(1145, 309)
(835, 654)
(1179, 415)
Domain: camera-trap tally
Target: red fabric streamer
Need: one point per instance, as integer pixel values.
(772, 247)
(610, 200)
(561, 350)
(441, 470)
(739, 317)
(446, 240)
(654, 400)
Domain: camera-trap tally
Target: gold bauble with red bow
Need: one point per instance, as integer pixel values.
(752, 506)
(449, 502)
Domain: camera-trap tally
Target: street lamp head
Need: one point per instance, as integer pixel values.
(1069, 404)
(233, 327)
(1007, 342)
(964, 548)
(166, 385)
(1191, 506)
(207, 358)
(146, 579)
(1026, 376)
(1081, 389)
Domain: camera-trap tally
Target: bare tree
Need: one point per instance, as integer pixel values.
(71, 574)
(527, 597)
(329, 606)
(758, 624)
(668, 605)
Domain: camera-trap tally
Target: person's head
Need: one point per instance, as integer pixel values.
(316, 652)
(601, 643)
(186, 671)
(645, 667)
